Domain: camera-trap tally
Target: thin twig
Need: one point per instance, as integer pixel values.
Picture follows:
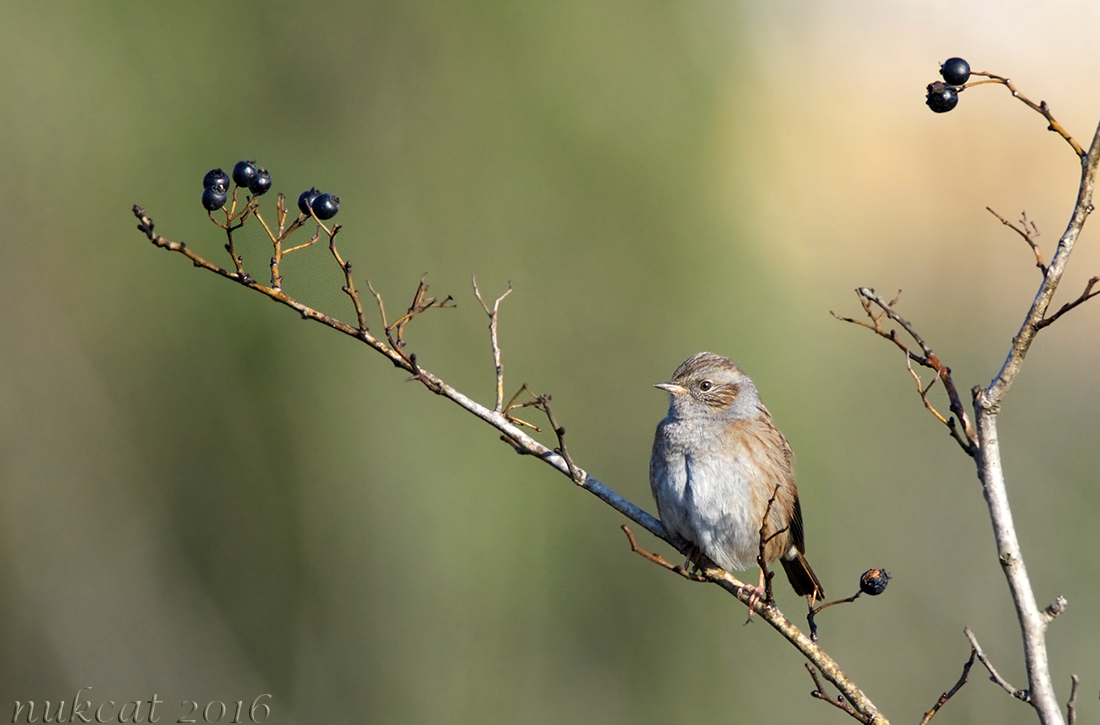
(1085, 296)
(420, 304)
(993, 674)
(660, 560)
(811, 616)
(1040, 107)
(1028, 231)
(951, 693)
(493, 316)
(1071, 704)
(967, 438)
(349, 281)
(766, 574)
(839, 702)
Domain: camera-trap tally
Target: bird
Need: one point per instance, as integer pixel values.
(717, 462)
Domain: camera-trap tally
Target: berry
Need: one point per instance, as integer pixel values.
(955, 71)
(305, 200)
(213, 197)
(215, 177)
(260, 185)
(942, 98)
(874, 582)
(325, 206)
(244, 172)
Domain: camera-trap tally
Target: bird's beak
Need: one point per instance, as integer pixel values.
(671, 388)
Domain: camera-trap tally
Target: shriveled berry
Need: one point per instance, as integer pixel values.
(215, 177)
(941, 98)
(259, 185)
(244, 172)
(955, 71)
(874, 582)
(305, 200)
(325, 206)
(213, 197)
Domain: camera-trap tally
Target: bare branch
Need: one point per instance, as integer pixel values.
(1071, 704)
(660, 560)
(523, 443)
(349, 282)
(1040, 107)
(993, 674)
(1085, 296)
(493, 315)
(951, 693)
(839, 702)
(987, 403)
(966, 438)
(1028, 231)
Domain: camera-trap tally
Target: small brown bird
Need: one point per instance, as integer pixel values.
(717, 460)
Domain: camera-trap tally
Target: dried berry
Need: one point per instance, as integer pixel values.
(874, 582)
(955, 71)
(941, 98)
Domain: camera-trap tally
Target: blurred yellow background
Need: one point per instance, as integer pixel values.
(203, 498)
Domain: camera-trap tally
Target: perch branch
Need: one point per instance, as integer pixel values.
(512, 432)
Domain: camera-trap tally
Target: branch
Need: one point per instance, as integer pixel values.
(854, 702)
(1087, 295)
(839, 702)
(993, 674)
(498, 417)
(995, 392)
(1028, 231)
(1071, 704)
(966, 438)
(1041, 107)
(951, 693)
(987, 404)
(493, 314)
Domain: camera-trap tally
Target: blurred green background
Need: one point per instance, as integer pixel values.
(204, 498)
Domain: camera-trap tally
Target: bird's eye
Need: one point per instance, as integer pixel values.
(706, 385)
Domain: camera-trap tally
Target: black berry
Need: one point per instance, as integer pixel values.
(874, 582)
(259, 185)
(305, 200)
(955, 71)
(244, 172)
(941, 98)
(215, 177)
(213, 197)
(325, 206)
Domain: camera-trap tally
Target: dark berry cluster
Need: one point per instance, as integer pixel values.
(323, 206)
(943, 95)
(215, 185)
(247, 175)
